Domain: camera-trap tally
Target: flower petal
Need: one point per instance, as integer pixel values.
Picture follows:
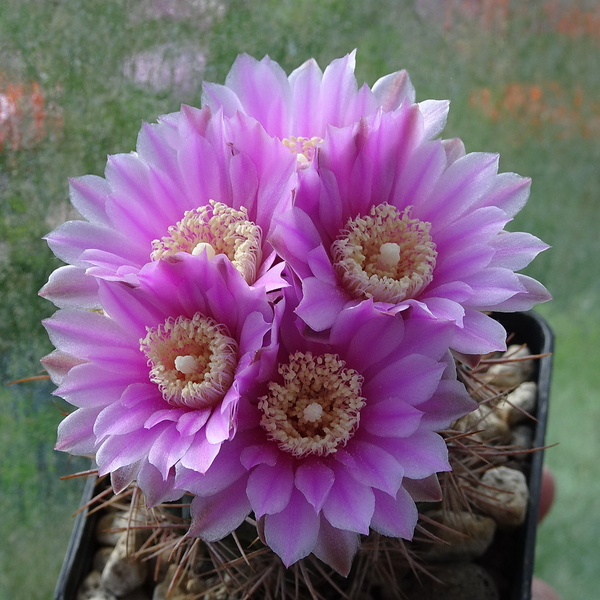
(395, 517)
(349, 504)
(214, 517)
(314, 479)
(270, 487)
(372, 466)
(336, 547)
(69, 287)
(293, 532)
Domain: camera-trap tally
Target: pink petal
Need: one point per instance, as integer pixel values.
(321, 303)
(314, 479)
(479, 334)
(218, 96)
(292, 533)
(200, 455)
(225, 469)
(516, 250)
(427, 489)
(349, 504)
(390, 417)
(76, 432)
(534, 293)
(357, 326)
(460, 187)
(449, 402)
(372, 466)
(263, 90)
(58, 364)
(454, 148)
(395, 517)
(70, 239)
(219, 425)
(509, 192)
(305, 82)
(416, 182)
(412, 379)
(192, 421)
(269, 488)
(120, 478)
(421, 454)
(337, 91)
(258, 454)
(87, 385)
(69, 287)
(92, 336)
(122, 450)
(393, 89)
(214, 517)
(435, 115)
(336, 547)
(168, 448)
(156, 488)
(88, 195)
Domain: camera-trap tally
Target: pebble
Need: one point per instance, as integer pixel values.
(177, 593)
(522, 437)
(198, 587)
(110, 526)
(91, 588)
(506, 496)
(468, 535)
(123, 572)
(521, 401)
(101, 557)
(488, 424)
(511, 374)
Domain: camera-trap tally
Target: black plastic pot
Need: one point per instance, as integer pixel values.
(517, 548)
(531, 329)
(80, 551)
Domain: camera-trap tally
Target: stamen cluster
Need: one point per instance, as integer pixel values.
(215, 229)
(317, 407)
(192, 361)
(385, 255)
(304, 148)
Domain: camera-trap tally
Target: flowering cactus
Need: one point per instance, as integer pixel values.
(260, 304)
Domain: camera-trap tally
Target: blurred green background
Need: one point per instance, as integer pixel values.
(77, 77)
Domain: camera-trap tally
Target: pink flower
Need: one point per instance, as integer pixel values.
(197, 183)
(388, 215)
(157, 379)
(343, 440)
(300, 109)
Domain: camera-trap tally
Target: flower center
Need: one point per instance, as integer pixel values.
(316, 409)
(304, 148)
(192, 361)
(215, 229)
(386, 255)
